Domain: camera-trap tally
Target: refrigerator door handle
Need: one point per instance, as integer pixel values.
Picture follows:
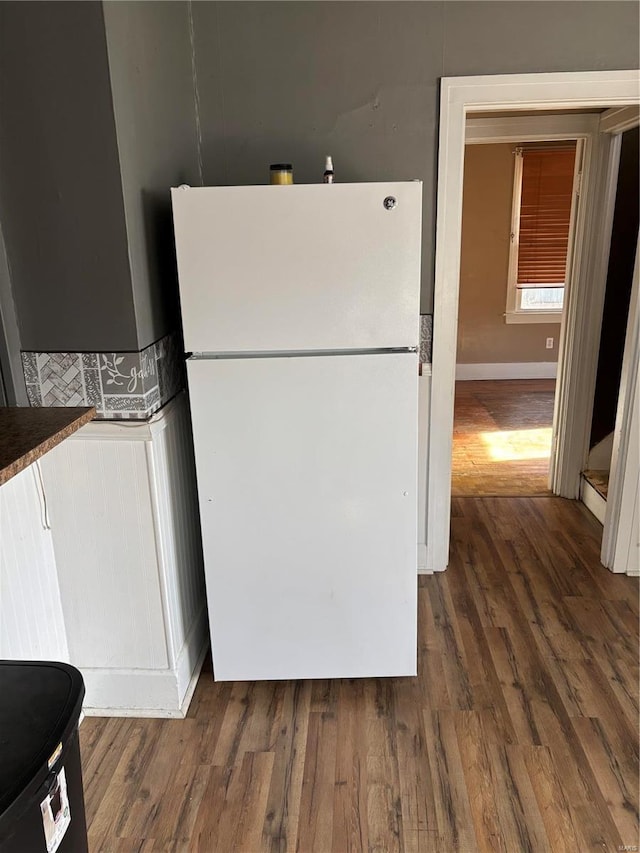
(204, 356)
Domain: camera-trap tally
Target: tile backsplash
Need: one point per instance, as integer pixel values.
(126, 385)
(426, 338)
(121, 385)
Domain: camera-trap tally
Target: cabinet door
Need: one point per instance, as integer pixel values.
(306, 474)
(31, 618)
(105, 539)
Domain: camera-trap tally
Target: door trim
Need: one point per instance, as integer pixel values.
(619, 520)
(460, 97)
(619, 120)
(582, 321)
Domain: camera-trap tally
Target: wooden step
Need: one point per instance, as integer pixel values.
(591, 492)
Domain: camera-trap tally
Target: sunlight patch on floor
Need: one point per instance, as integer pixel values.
(515, 444)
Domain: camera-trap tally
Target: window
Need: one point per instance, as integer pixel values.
(544, 178)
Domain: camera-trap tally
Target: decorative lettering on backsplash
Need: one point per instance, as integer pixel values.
(148, 363)
(123, 385)
(135, 376)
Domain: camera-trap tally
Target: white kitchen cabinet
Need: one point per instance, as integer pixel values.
(126, 535)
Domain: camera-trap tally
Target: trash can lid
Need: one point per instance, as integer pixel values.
(40, 703)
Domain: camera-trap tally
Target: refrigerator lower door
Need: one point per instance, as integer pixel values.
(307, 486)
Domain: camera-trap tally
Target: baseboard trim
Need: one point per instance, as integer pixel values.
(191, 655)
(149, 693)
(131, 693)
(593, 500)
(135, 713)
(508, 370)
(191, 687)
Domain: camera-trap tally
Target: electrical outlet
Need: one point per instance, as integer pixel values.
(549, 343)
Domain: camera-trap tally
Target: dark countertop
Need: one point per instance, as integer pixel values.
(26, 434)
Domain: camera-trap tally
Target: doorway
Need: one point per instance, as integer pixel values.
(461, 98)
(520, 204)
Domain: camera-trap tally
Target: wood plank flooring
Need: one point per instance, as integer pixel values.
(519, 733)
(502, 437)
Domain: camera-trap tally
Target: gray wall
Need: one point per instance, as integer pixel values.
(60, 196)
(83, 178)
(97, 122)
(150, 66)
(295, 81)
(13, 391)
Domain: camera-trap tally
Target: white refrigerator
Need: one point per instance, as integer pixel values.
(300, 313)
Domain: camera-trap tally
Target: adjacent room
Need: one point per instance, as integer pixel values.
(516, 232)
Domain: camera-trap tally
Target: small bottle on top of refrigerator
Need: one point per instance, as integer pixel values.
(328, 170)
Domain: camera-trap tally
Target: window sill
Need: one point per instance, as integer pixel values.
(533, 317)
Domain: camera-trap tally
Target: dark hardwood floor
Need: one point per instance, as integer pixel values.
(502, 437)
(520, 732)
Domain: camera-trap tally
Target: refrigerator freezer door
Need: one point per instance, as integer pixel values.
(307, 490)
(307, 267)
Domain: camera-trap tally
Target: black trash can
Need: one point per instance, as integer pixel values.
(41, 798)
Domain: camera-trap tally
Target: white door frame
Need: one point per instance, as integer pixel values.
(582, 321)
(460, 97)
(621, 514)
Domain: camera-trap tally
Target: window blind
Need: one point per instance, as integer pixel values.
(545, 214)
